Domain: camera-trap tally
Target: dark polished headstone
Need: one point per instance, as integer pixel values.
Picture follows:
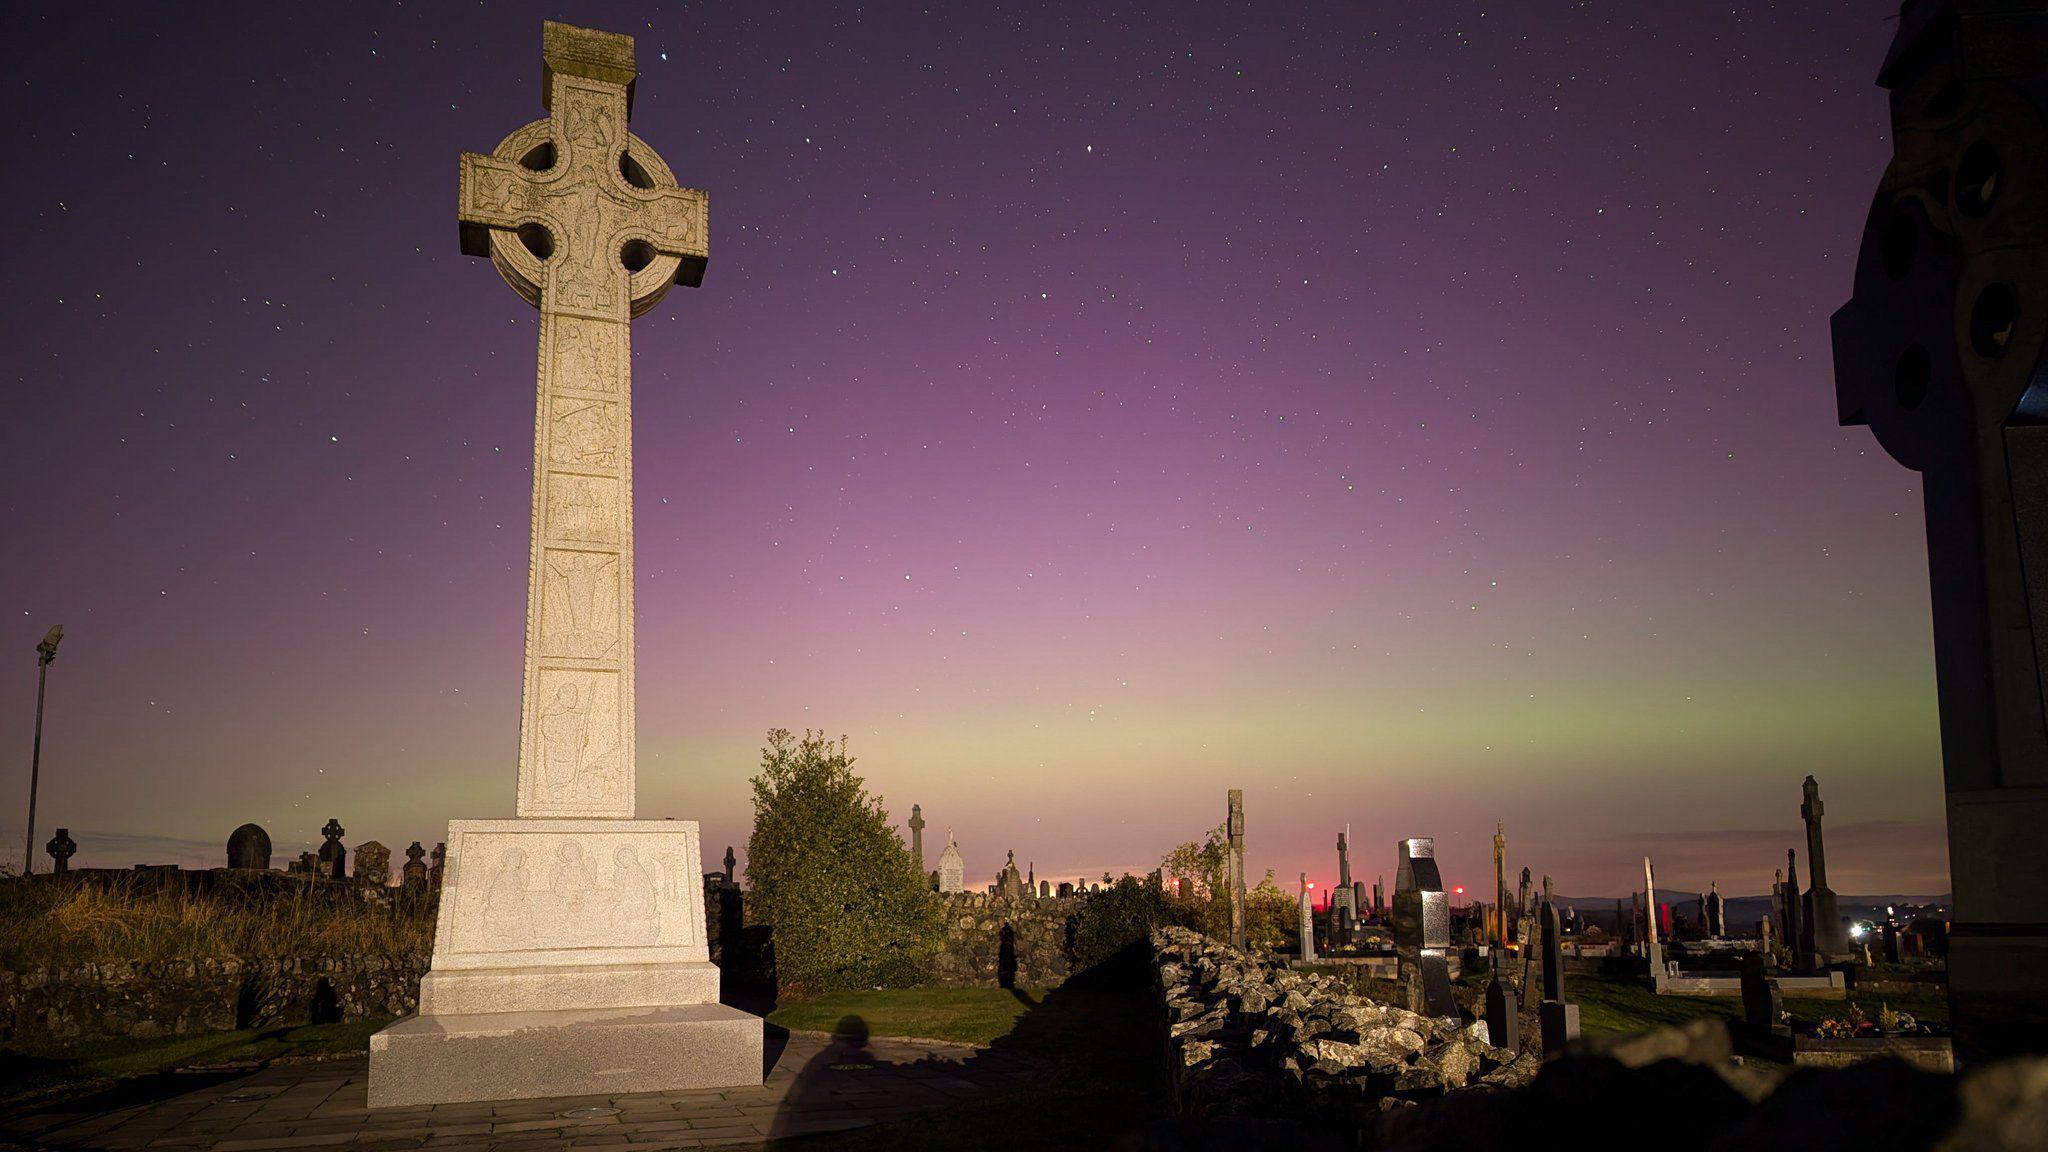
(249, 847)
(1422, 928)
(333, 857)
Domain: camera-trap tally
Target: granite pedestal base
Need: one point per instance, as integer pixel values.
(523, 1055)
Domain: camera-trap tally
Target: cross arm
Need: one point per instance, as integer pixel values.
(679, 219)
(493, 194)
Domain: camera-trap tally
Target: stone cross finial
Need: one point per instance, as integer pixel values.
(587, 223)
(61, 848)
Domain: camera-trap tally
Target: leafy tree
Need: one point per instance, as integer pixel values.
(828, 874)
(1205, 864)
(1121, 915)
(1271, 917)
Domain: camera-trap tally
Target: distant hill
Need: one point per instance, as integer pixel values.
(1741, 912)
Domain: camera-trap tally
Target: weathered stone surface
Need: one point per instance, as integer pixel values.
(575, 912)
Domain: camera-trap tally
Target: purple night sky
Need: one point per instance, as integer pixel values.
(1416, 415)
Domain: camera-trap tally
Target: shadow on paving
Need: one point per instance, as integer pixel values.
(1099, 1084)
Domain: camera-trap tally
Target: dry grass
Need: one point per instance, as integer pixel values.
(47, 925)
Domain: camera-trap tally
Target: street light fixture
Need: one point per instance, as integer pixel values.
(45, 652)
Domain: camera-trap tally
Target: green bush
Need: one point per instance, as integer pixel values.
(826, 872)
(1271, 917)
(1115, 918)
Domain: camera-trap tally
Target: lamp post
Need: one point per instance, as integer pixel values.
(45, 652)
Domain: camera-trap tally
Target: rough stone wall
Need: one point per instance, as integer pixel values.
(1040, 941)
(1249, 1039)
(97, 1001)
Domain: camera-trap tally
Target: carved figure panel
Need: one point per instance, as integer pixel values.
(538, 891)
(584, 509)
(585, 355)
(578, 761)
(583, 433)
(579, 604)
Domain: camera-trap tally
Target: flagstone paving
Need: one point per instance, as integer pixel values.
(817, 1085)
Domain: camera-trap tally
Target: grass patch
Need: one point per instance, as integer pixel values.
(142, 921)
(1611, 1006)
(1097, 1038)
(962, 1015)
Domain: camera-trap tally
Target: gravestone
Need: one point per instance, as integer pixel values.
(1828, 939)
(1065, 890)
(916, 825)
(1307, 923)
(1653, 946)
(1939, 351)
(61, 848)
(439, 868)
(1763, 1003)
(1714, 912)
(1522, 906)
(1422, 928)
(1795, 920)
(952, 869)
(731, 862)
(1343, 901)
(333, 857)
(413, 877)
(1497, 919)
(1234, 824)
(1503, 1008)
(570, 952)
(1187, 888)
(1009, 883)
(1379, 898)
(1044, 889)
(1557, 1019)
(373, 864)
(249, 847)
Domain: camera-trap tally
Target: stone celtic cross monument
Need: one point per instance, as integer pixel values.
(570, 954)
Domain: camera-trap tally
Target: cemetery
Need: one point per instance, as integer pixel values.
(567, 966)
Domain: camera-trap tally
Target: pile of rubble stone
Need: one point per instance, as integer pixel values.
(1248, 1037)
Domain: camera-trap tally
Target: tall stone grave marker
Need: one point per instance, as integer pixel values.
(952, 867)
(333, 855)
(916, 825)
(570, 955)
(1234, 825)
(1939, 351)
(1558, 1019)
(1422, 928)
(1308, 924)
(1343, 901)
(1826, 936)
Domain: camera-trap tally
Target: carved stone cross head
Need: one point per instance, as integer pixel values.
(578, 214)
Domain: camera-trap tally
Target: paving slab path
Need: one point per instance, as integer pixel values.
(817, 1084)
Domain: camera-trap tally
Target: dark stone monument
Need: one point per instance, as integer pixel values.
(1824, 923)
(1714, 912)
(439, 856)
(731, 862)
(1891, 942)
(1558, 1020)
(1422, 928)
(1234, 863)
(1796, 939)
(333, 857)
(1763, 1005)
(414, 874)
(1379, 898)
(1343, 904)
(373, 865)
(1066, 890)
(1009, 882)
(916, 826)
(1522, 905)
(61, 848)
(249, 847)
(1503, 1007)
(1939, 351)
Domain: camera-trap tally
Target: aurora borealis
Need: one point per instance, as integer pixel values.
(1415, 418)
